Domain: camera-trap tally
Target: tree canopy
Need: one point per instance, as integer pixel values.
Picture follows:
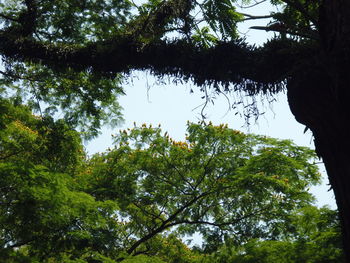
(133, 202)
(73, 56)
(313, 237)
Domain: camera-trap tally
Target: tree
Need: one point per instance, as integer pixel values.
(316, 238)
(133, 202)
(43, 213)
(219, 182)
(49, 42)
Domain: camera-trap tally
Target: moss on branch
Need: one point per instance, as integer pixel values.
(249, 68)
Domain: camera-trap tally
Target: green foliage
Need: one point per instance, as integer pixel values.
(135, 201)
(316, 238)
(218, 182)
(33, 140)
(222, 17)
(143, 259)
(204, 38)
(173, 250)
(42, 211)
(86, 100)
(299, 19)
(79, 37)
(74, 21)
(83, 22)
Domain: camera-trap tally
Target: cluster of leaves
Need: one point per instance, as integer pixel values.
(133, 203)
(222, 17)
(42, 213)
(313, 236)
(218, 177)
(299, 19)
(83, 22)
(70, 21)
(86, 100)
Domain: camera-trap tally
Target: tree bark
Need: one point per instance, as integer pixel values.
(319, 98)
(316, 100)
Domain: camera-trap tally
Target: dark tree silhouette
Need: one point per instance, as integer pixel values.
(310, 57)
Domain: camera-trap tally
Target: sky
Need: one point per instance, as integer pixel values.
(173, 105)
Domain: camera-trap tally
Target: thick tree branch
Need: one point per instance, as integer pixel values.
(253, 69)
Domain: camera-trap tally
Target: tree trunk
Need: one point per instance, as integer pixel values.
(319, 101)
(319, 97)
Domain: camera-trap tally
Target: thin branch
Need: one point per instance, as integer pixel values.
(142, 252)
(284, 31)
(177, 170)
(228, 102)
(205, 103)
(207, 165)
(232, 222)
(154, 216)
(164, 179)
(252, 17)
(37, 97)
(250, 6)
(167, 223)
(8, 18)
(16, 76)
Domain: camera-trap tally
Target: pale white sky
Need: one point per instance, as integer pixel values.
(173, 105)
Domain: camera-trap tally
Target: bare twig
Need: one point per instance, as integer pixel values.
(252, 5)
(252, 17)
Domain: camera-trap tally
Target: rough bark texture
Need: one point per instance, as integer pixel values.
(319, 97)
(226, 63)
(318, 108)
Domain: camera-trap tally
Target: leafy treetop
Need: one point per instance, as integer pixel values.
(136, 200)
